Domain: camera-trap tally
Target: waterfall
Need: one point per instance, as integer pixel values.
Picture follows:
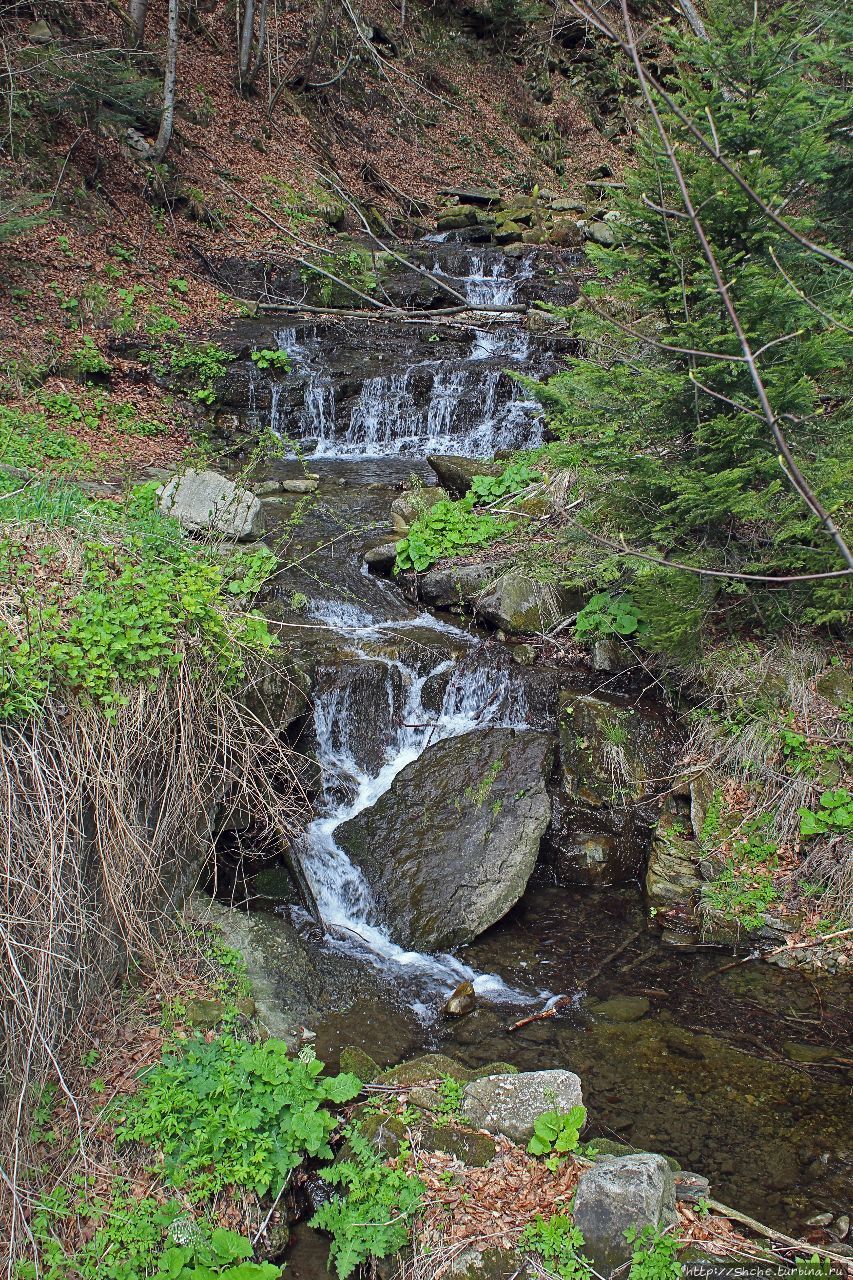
(429, 406)
(476, 695)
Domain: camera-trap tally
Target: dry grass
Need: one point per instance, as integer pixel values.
(751, 695)
(105, 826)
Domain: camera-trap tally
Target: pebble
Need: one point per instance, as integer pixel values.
(819, 1220)
(842, 1225)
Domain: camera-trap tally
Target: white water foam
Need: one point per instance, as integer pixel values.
(463, 410)
(475, 696)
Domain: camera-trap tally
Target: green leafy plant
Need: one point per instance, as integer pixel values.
(607, 615)
(197, 366)
(374, 1218)
(514, 479)
(229, 1111)
(88, 361)
(743, 888)
(451, 1093)
(446, 529)
(654, 1255)
(221, 1253)
(247, 571)
(272, 359)
(558, 1243)
(556, 1133)
(834, 814)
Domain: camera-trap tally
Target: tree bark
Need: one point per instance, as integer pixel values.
(246, 36)
(170, 80)
(316, 39)
(250, 66)
(137, 12)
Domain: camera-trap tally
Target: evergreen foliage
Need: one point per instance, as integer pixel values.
(658, 415)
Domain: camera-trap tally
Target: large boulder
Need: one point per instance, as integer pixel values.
(520, 604)
(455, 474)
(204, 501)
(510, 1104)
(613, 753)
(449, 848)
(616, 1194)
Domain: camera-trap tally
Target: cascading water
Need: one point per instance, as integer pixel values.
(475, 696)
(427, 407)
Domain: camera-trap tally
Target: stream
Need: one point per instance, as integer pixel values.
(740, 1071)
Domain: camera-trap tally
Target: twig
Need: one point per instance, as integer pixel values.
(551, 1011)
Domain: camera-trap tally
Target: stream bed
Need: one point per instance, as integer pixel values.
(741, 1071)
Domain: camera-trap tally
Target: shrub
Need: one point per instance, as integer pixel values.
(558, 1243)
(231, 1112)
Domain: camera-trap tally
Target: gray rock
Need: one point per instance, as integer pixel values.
(520, 604)
(406, 509)
(691, 1187)
(458, 586)
(456, 473)
(206, 501)
(306, 485)
(381, 558)
(617, 1193)
(603, 233)
(449, 848)
(511, 1104)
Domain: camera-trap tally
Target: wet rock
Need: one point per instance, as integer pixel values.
(462, 1001)
(355, 1061)
(449, 848)
(593, 846)
(305, 485)
(205, 501)
(381, 559)
(612, 654)
(611, 752)
(511, 1104)
(456, 473)
(456, 217)
(690, 1188)
(456, 587)
(365, 694)
(277, 692)
(672, 876)
(616, 1194)
(620, 1008)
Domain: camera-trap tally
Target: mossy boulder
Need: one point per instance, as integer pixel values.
(673, 880)
(355, 1061)
(457, 216)
(456, 474)
(204, 1014)
(473, 1149)
(565, 234)
(429, 1066)
(611, 752)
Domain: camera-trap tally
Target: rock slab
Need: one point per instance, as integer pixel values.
(204, 501)
(449, 848)
(616, 1194)
(511, 1104)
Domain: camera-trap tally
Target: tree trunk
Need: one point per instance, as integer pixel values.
(246, 36)
(250, 66)
(137, 12)
(170, 80)
(316, 39)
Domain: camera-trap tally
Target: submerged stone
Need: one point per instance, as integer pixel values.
(621, 1008)
(449, 848)
(357, 1062)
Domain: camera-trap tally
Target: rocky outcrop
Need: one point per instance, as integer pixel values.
(456, 473)
(617, 1194)
(613, 760)
(204, 501)
(449, 848)
(505, 597)
(510, 1104)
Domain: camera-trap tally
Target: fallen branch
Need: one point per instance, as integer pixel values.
(776, 1236)
(553, 1009)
